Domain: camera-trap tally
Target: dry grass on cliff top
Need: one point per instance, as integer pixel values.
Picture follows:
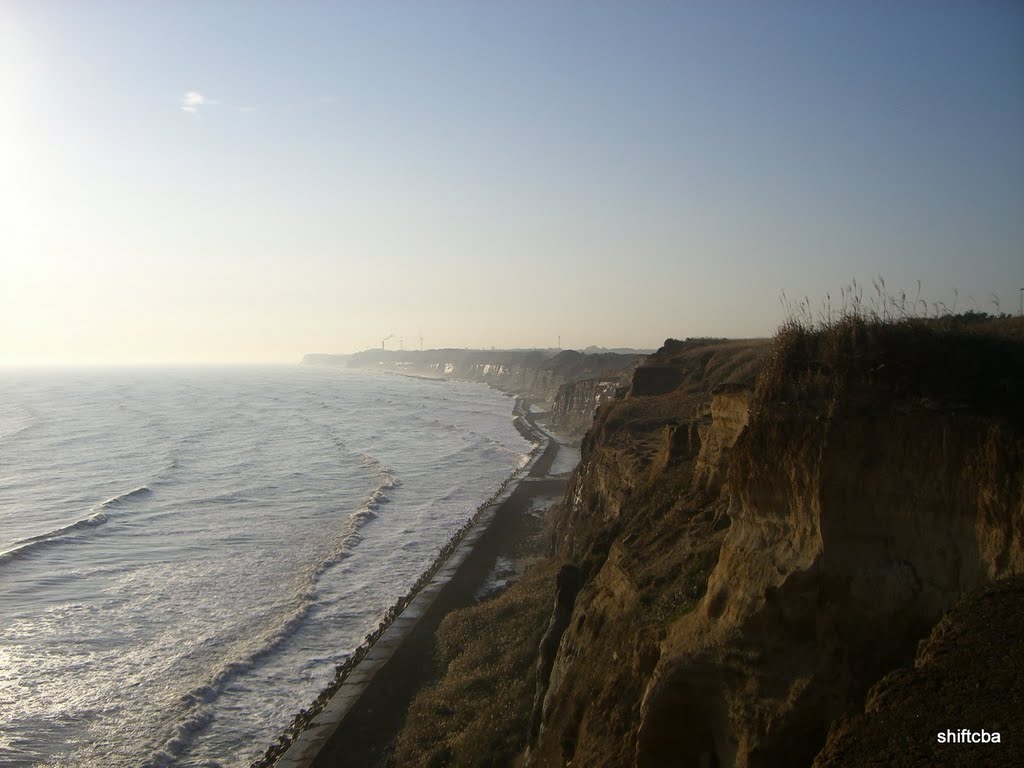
(885, 349)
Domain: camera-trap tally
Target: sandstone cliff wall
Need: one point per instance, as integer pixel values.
(575, 403)
(963, 678)
(756, 555)
(643, 523)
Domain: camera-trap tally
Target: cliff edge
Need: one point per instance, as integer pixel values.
(805, 551)
(765, 531)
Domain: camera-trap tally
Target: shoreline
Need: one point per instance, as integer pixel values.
(406, 630)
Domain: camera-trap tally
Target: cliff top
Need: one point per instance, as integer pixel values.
(953, 362)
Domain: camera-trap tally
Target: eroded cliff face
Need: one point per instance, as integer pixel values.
(575, 403)
(529, 378)
(644, 522)
(844, 550)
(962, 678)
(755, 558)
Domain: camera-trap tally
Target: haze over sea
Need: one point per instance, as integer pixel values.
(187, 553)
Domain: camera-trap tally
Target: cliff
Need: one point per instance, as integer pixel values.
(962, 678)
(573, 383)
(643, 523)
(763, 532)
(575, 403)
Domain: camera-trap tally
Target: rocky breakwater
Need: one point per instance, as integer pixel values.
(758, 549)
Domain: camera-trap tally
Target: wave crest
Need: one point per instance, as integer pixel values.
(97, 518)
(198, 702)
(386, 481)
(137, 493)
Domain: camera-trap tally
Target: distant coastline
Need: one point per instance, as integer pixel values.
(571, 384)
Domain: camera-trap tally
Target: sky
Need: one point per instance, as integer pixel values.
(251, 181)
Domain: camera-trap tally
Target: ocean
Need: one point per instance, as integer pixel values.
(187, 553)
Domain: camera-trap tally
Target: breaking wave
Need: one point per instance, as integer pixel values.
(198, 702)
(94, 520)
(264, 543)
(119, 500)
(386, 481)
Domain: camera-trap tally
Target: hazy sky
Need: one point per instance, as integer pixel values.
(239, 181)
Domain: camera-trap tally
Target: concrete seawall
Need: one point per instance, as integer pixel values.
(366, 703)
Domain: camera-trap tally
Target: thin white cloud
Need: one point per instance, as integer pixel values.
(193, 100)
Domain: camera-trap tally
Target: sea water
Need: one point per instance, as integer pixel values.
(186, 554)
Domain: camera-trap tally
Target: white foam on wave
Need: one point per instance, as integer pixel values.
(197, 703)
(386, 481)
(136, 493)
(97, 518)
(207, 623)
